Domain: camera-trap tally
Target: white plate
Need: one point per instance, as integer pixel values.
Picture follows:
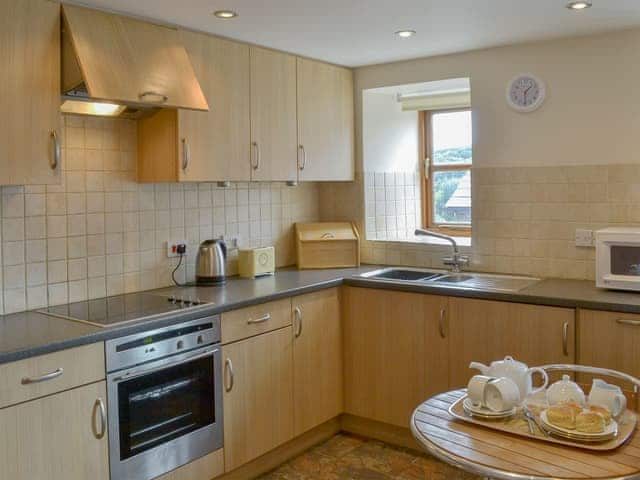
(610, 431)
(471, 409)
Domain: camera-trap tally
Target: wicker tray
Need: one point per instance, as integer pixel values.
(517, 425)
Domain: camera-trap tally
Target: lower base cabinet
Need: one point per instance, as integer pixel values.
(258, 396)
(484, 330)
(395, 352)
(317, 359)
(55, 437)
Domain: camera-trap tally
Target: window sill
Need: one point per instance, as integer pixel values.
(422, 240)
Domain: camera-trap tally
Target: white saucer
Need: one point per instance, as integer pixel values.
(610, 431)
(482, 412)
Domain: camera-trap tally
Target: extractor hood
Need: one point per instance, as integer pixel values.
(120, 66)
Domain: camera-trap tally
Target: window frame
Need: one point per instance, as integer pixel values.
(427, 169)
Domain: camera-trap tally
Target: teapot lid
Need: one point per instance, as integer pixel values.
(510, 362)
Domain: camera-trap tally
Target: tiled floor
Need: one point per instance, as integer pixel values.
(353, 458)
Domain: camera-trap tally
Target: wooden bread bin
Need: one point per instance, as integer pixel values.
(327, 245)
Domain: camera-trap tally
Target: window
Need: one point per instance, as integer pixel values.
(447, 170)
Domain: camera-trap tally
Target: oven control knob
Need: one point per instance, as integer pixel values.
(180, 344)
(200, 339)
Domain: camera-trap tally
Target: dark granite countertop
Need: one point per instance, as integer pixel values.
(28, 334)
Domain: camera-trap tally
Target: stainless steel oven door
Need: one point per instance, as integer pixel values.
(164, 414)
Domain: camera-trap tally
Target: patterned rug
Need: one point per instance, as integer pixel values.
(350, 457)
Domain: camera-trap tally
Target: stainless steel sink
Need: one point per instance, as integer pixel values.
(439, 278)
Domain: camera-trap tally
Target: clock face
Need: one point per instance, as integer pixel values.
(525, 93)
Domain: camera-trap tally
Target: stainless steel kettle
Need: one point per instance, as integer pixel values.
(210, 264)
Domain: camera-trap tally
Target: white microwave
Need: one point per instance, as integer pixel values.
(618, 258)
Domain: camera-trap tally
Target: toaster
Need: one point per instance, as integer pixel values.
(255, 262)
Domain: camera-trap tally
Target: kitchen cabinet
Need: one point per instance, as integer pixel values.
(483, 331)
(62, 370)
(258, 396)
(609, 340)
(273, 116)
(30, 134)
(56, 437)
(395, 352)
(325, 122)
(193, 146)
(317, 359)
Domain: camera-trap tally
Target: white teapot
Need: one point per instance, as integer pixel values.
(517, 371)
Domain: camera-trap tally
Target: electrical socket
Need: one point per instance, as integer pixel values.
(232, 241)
(172, 247)
(584, 238)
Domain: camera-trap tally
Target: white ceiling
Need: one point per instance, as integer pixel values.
(360, 32)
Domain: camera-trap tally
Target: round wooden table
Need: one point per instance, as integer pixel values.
(498, 455)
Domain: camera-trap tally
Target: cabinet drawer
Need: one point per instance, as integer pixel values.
(46, 374)
(255, 320)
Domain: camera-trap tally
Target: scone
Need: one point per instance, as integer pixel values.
(562, 416)
(576, 407)
(602, 410)
(590, 422)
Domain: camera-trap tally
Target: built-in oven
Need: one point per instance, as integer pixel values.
(618, 258)
(164, 393)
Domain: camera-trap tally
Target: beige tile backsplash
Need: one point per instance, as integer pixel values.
(524, 218)
(101, 233)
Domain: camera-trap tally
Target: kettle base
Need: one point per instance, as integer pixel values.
(210, 281)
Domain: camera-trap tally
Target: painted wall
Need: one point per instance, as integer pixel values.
(390, 136)
(574, 163)
(592, 111)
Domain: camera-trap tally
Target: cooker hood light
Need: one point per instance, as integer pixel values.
(101, 109)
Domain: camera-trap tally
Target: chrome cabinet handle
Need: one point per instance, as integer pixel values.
(565, 338)
(328, 235)
(304, 157)
(99, 407)
(54, 161)
(624, 321)
(256, 147)
(262, 319)
(441, 326)
(153, 97)
(297, 312)
(228, 367)
(186, 155)
(43, 378)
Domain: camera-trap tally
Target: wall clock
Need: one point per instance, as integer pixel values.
(525, 93)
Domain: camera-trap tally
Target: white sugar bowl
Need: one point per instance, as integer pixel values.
(564, 391)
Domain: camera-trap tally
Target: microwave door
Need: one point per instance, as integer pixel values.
(625, 260)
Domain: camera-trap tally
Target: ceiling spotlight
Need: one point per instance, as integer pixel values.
(405, 33)
(225, 14)
(579, 5)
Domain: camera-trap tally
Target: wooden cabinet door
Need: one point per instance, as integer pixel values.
(483, 331)
(55, 437)
(609, 340)
(258, 398)
(273, 116)
(217, 142)
(29, 91)
(325, 122)
(317, 359)
(394, 355)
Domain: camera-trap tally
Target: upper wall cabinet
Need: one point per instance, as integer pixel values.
(325, 122)
(29, 92)
(273, 116)
(126, 60)
(184, 145)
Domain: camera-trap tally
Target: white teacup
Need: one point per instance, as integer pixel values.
(501, 394)
(476, 389)
(607, 395)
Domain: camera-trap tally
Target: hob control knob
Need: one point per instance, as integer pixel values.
(180, 344)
